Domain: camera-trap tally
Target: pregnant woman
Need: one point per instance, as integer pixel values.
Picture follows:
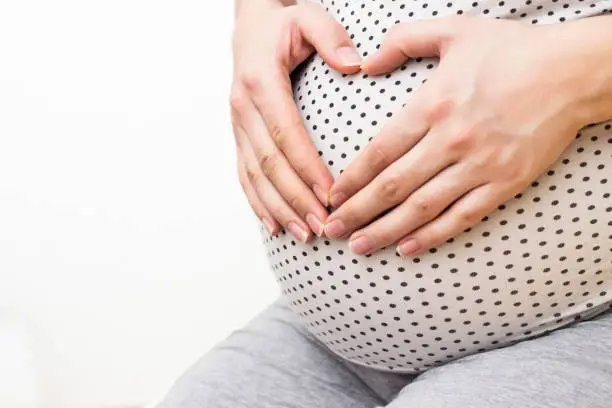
(432, 182)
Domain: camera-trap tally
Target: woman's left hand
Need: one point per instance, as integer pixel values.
(500, 108)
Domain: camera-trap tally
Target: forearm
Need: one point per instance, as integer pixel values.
(239, 4)
(589, 62)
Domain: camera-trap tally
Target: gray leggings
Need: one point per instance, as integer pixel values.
(274, 363)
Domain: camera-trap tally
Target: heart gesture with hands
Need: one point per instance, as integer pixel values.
(279, 169)
(505, 101)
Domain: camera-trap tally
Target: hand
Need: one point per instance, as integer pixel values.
(500, 108)
(278, 166)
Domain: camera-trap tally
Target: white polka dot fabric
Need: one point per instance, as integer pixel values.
(539, 262)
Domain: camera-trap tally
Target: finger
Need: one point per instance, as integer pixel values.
(425, 38)
(463, 214)
(420, 207)
(329, 38)
(280, 173)
(271, 199)
(273, 99)
(396, 138)
(391, 187)
(266, 218)
(272, 93)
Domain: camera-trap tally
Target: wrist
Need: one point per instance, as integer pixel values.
(585, 67)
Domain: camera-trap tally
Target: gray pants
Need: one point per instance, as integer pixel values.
(274, 363)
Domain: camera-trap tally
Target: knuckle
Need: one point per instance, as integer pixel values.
(278, 135)
(237, 102)
(300, 167)
(468, 217)
(489, 159)
(504, 164)
(462, 139)
(391, 188)
(268, 162)
(284, 135)
(422, 204)
(379, 159)
(482, 162)
(440, 108)
(253, 176)
(251, 81)
(294, 202)
(281, 133)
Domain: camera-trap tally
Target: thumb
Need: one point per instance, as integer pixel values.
(426, 38)
(328, 37)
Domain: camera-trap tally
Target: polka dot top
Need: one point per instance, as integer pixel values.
(541, 261)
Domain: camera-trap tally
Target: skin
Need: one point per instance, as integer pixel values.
(280, 171)
(505, 101)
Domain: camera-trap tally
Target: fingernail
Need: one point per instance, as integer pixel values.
(315, 224)
(335, 229)
(361, 245)
(321, 194)
(337, 199)
(348, 56)
(408, 247)
(297, 231)
(268, 224)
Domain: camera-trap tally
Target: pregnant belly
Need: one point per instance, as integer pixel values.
(539, 262)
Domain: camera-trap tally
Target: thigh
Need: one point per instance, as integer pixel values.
(272, 362)
(568, 368)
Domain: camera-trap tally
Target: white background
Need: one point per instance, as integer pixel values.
(126, 246)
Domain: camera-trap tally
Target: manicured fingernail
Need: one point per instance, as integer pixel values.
(361, 245)
(315, 224)
(268, 224)
(408, 247)
(335, 229)
(337, 199)
(321, 194)
(348, 56)
(297, 231)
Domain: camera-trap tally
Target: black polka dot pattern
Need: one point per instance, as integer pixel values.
(541, 261)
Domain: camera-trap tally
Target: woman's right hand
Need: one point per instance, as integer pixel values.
(279, 168)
